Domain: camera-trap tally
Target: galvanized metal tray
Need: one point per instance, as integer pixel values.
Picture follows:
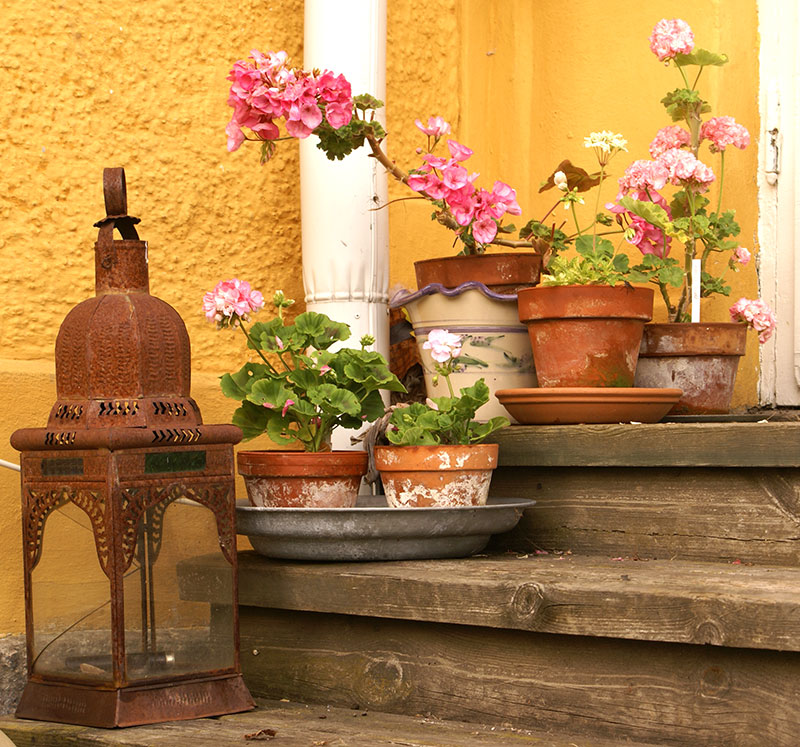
(374, 531)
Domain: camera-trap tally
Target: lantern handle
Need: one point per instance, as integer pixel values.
(115, 195)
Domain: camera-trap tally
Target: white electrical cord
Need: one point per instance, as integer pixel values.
(9, 465)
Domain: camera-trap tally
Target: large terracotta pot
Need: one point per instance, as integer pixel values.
(500, 271)
(585, 335)
(701, 358)
(418, 476)
(495, 343)
(302, 479)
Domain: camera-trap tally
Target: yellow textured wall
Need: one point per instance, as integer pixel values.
(86, 84)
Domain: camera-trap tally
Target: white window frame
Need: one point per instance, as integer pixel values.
(779, 198)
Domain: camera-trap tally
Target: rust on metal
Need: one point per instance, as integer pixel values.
(124, 441)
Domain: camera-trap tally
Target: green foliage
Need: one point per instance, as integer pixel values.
(682, 103)
(701, 57)
(555, 237)
(336, 144)
(710, 284)
(661, 270)
(450, 421)
(308, 390)
(596, 264)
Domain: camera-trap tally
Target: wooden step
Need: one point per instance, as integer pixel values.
(670, 601)
(693, 491)
(288, 725)
(669, 652)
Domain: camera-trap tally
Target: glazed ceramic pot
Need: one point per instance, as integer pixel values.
(302, 479)
(500, 271)
(700, 358)
(495, 343)
(585, 335)
(419, 476)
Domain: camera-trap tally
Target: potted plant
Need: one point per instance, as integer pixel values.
(700, 357)
(585, 320)
(297, 393)
(436, 457)
(266, 89)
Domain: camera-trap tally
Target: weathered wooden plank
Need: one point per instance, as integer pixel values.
(651, 445)
(294, 725)
(749, 607)
(589, 687)
(688, 513)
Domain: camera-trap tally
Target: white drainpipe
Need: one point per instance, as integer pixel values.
(345, 239)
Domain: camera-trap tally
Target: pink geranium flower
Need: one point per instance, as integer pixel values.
(644, 175)
(484, 229)
(436, 127)
(742, 255)
(671, 38)
(648, 238)
(724, 131)
(667, 138)
(756, 314)
(503, 194)
(458, 152)
(685, 169)
(230, 301)
(443, 345)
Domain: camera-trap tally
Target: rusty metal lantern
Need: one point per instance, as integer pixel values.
(121, 492)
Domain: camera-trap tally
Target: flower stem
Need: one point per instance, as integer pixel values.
(257, 349)
(721, 180)
(597, 205)
(575, 218)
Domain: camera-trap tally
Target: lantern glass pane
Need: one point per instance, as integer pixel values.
(172, 627)
(71, 606)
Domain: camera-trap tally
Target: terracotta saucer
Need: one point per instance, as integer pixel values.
(568, 405)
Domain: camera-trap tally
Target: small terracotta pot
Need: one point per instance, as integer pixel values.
(302, 479)
(585, 335)
(417, 476)
(500, 271)
(700, 358)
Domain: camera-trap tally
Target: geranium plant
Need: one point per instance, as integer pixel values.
(443, 420)
(266, 90)
(703, 229)
(300, 390)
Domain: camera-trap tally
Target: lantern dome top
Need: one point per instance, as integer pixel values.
(123, 358)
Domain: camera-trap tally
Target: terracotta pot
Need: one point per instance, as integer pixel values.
(302, 479)
(417, 476)
(500, 271)
(585, 335)
(702, 359)
(495, 343)
(568, 405)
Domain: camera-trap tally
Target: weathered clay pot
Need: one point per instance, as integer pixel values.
(417, 476)
(700, 358)
(500, 271)
(302, 479)
(585, 335)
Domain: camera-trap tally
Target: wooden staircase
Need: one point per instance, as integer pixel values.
(651, 596)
